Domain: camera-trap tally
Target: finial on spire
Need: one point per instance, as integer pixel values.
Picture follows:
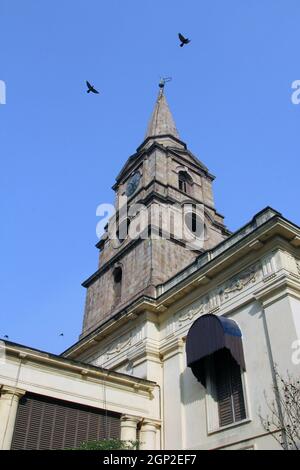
(163, 81)
(162, 122)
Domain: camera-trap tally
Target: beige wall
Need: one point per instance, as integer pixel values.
(136, 276)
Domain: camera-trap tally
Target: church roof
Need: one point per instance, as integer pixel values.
(162, 121)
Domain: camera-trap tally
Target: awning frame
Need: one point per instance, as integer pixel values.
(211, 333)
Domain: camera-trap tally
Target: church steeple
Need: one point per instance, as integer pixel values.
(161, 122)
(142, 245)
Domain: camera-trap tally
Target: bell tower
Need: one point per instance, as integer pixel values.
(165, 217)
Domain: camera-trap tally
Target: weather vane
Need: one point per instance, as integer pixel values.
(163, 81)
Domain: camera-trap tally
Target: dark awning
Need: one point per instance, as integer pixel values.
(209, 334)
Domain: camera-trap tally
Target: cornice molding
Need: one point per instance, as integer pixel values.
(8, 391)
(172, 347)
(278, 288)
(83, 370)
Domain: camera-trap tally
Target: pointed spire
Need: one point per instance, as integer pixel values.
(161, 122)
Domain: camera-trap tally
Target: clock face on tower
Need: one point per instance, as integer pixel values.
(133, 183)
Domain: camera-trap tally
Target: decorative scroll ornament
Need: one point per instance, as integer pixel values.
(119, 347)
(212, 301)
(190, 315)
(239, 283)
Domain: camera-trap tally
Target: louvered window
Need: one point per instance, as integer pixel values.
(228, 388)
(46, 423)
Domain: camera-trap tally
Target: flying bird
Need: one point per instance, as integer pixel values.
(91, 88)
(183, 40)
(5, 336)
(61, 334)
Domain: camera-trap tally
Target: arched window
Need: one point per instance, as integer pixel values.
(117, 274)
(184, 182)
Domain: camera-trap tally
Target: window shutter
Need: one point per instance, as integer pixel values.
(223, 390)
(229, 389)
(237, 392)
(47, 423)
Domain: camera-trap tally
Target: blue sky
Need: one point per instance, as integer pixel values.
(61, 149)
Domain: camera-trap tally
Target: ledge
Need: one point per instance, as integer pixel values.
(80, 368)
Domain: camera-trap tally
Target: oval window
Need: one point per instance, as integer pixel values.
(194, 224)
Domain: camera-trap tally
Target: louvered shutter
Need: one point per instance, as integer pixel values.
(46, 423)
(238, 402)
(229, 389)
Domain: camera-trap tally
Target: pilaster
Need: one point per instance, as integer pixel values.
(9, 401)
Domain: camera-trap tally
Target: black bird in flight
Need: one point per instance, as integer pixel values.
(61, 334)
(5, 336)
(183, 40)
(91, 88)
